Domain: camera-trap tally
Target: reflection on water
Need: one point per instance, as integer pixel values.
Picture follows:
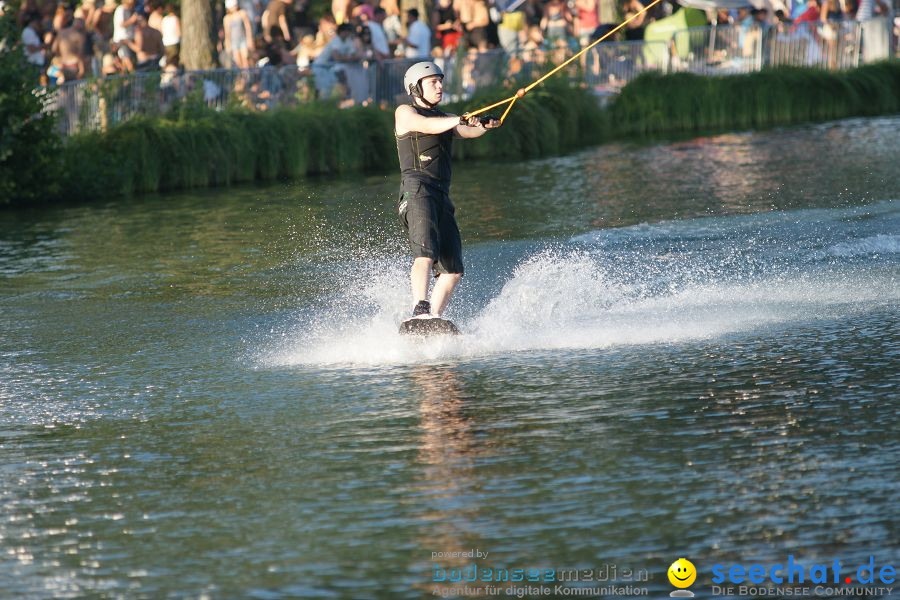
(684, 349)
(448, 451)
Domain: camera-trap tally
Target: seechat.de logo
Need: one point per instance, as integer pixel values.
(795, 572)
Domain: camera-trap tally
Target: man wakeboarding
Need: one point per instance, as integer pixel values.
(424, 142)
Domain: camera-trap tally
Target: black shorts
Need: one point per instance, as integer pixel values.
(427, 215)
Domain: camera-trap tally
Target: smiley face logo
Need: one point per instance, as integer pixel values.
(682, 573)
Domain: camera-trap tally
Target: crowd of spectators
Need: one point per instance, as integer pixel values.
(65, 42)
(73, 39)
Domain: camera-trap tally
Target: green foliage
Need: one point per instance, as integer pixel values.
(554, 118)
(196, 147)
(29, 142)
(682, 102)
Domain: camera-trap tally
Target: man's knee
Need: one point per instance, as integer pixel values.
(453, 278)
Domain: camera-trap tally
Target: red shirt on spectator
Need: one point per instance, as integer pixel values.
(810, 15)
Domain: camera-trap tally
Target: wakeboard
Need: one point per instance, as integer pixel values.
(427, 327)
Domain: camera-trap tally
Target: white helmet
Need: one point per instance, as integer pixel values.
(417, 73)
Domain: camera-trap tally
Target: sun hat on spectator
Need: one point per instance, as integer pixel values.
(229, 4)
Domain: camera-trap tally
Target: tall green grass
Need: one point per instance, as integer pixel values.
(554, 118)
(657, 104)
(151, 154)
(196, 147)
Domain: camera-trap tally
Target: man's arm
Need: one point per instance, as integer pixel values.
(406, 119)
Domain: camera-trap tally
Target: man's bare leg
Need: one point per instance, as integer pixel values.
(419, 276)
(443, 289)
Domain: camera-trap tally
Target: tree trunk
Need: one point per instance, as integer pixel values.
(196, 45)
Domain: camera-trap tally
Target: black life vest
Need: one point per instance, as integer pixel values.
(426, 156)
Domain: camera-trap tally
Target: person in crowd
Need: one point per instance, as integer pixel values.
(62, 16)
(171, 35)
(254, 11)
(93, 45)
(155, 16)
(124, 20)
(810, 15)
(752, 30)
(512, 28)
(869, 9)
(418, 36)
(31, 41)
(102, 24)
(275, 15)
(88, 8)
(393, 25)
(475, 18)
(69, 47)
(326, 32)
(306, 52)
(635, 29)
(446, 25)
(147, 45)
(587, 20)
(533, 48)
(338, 62)
(381, 50)
(238, 35)
(556, 23)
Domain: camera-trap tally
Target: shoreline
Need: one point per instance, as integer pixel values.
(196, 147)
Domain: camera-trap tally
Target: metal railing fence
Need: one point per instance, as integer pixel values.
(91, 105)
(609, 66)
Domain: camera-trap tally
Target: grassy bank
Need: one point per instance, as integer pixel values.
(658, 104)
(201, 148)
(197, 147)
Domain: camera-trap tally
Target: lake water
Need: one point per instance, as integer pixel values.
(675, 349)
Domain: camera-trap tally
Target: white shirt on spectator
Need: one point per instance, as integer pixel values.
(393, 27)
(170, 32)
(121, 33)
(379, 39)
(336, 45)
(420, 37)
(30, 38)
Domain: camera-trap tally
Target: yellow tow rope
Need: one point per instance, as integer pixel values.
(522, 91)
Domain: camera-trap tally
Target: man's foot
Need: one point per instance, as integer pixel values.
(422, 310)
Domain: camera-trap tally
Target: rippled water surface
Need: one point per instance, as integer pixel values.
(681, 349)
